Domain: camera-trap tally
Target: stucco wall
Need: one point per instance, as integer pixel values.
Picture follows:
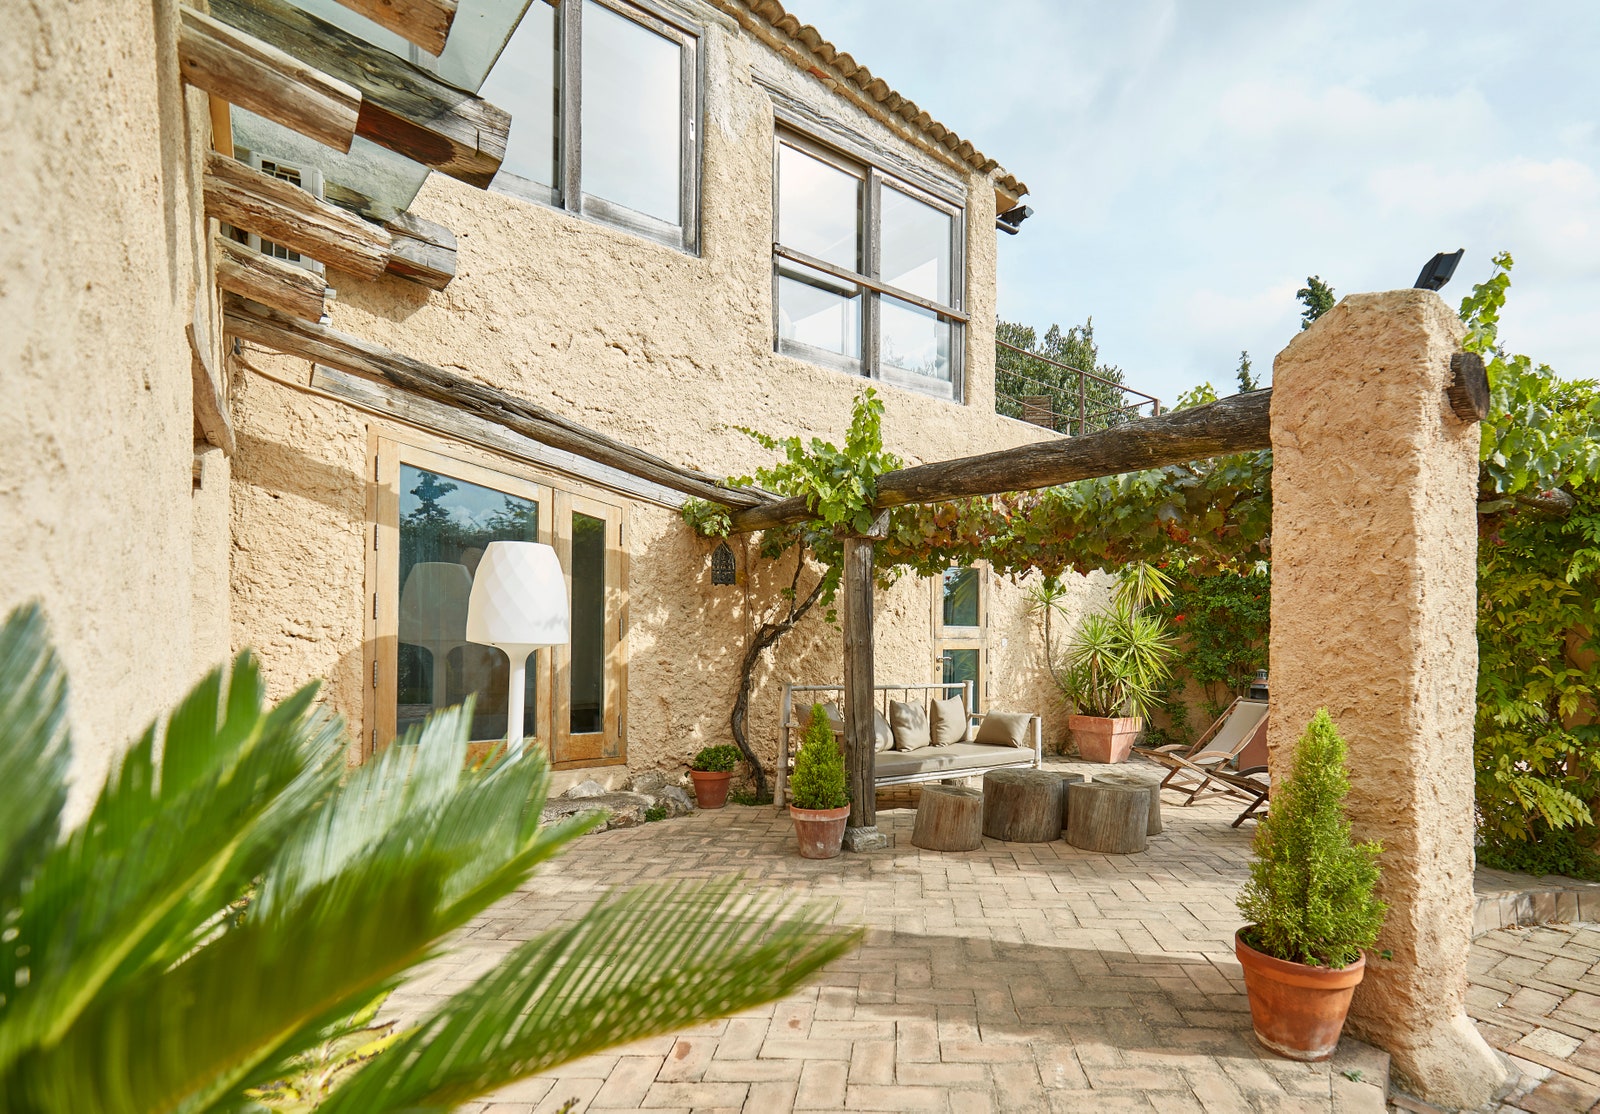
(657, 347)
(97, 276)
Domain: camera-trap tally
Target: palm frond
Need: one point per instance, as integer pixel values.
(33, 755)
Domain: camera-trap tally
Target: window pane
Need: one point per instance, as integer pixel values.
(632, 124)
(445, 524)
(588, 624)
(961, 597)
(524, 83)
(819, 310)
(962, 665)
(915, 255)
(915, 340)
(819, 209)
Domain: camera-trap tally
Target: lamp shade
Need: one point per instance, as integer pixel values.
(519, 597)
(433, 603)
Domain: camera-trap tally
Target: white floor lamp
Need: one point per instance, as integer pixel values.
(518, 604)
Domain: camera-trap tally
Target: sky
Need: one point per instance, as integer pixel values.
(1190, 162)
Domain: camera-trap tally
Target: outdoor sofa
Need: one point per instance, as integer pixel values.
(896, 767)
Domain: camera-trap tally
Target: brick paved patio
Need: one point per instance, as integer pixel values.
(1020, 977)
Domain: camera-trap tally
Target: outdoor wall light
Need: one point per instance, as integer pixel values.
(518, 604)
(1258, 687)
(724, 570)
(1438, 270)
(1011, 220)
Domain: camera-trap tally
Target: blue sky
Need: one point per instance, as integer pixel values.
(1192, 162)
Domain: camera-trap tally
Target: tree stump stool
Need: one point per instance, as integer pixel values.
(1106, 817)
(1151, 784)
(949, 818)
(1067, 780)
(1024, 806)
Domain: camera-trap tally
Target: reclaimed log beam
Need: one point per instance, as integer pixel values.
(856, 585)
(273, 329)
(286, 214)
(210, 408)
(421, 250)
(1236, 424)
(243, 70)
(424, 22)
(403, 107)
(272, 282)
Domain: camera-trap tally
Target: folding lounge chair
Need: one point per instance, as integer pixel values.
(1253, 783)
(1190, 772)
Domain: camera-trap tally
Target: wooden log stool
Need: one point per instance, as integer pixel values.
(1146, 782)
(1024, 806)
(1107, 817)
(949, 818)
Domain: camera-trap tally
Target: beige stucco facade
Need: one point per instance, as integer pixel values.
(660, 348)
(103, 520)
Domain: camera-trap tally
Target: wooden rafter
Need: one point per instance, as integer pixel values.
(278, 331)
(403, 107)
(1233, 425)
(424, 22)
(273, 282)
(243, 70)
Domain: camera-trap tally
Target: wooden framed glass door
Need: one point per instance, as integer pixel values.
(588, 707)
(961, 630)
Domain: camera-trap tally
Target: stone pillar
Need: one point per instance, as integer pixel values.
(1374, 593)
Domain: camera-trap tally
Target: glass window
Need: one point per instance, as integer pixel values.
(524, 83)
(588, 624)
(865, 270)
(961, 597)
(632, 138)
(964, 665)
(445, 524)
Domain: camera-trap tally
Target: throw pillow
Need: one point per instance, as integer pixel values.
(882, 733)
(1004, 729)
(947, 721)
(910, 725)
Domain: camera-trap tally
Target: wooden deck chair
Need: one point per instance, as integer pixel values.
(1243, 724)
(1253, 783)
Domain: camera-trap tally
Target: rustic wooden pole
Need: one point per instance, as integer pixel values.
(424, 22)
(861, 832)
(1233, 425)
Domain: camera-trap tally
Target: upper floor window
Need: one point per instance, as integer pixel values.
(868, 271)
(603, 102)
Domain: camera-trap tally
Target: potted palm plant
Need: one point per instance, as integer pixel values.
(1117, 667)
(821, 797)
(711, 771)
(1310, 903)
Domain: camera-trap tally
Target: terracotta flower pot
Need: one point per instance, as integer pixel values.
(821, 830)
(711, 789)
(1298, 1011)
(1100, 739)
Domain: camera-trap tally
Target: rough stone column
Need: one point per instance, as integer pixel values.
(1374, 593)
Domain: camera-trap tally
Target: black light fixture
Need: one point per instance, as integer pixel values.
(723, 568)
(1011, 220)
(1258, 687)
(1438, 270)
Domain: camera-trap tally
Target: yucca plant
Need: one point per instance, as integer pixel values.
(229, 911)
(1117, 664)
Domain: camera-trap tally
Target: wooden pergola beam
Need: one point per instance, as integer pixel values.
(403, 107)
(273, 329)
(286, 214)
(1240, 423)
(243, 70)
(424, 22)
(270, 281)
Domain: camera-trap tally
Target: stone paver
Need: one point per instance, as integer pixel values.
(1017, 977)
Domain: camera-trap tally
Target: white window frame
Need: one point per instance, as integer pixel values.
(872, 289)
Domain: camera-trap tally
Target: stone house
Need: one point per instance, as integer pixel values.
(706, 217)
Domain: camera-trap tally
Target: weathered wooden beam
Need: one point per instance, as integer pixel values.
(243, 70)
(424, 22)
(1237, 424)
(856, 585)
(421, 250)
(403, 107)
(272, 282)
(210, 410)
(286, 214)
(269, 327)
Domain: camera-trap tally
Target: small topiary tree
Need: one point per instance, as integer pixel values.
(819, 777)
(720, 759)
(1310, 896)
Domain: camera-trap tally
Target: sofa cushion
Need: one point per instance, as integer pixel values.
(910, 725)
(882, 735)
(955, 757)
(947, 721)
(1008, 729)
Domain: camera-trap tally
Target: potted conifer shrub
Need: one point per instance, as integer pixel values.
(711, 771)
(821, 797)
(1310, 903)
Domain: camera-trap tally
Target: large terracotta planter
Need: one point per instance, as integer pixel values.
(711, 789)
(821, 830)
(1100, 739)
(1298, 1011)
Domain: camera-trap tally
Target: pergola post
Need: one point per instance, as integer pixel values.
(1374, 574)
(861, 830)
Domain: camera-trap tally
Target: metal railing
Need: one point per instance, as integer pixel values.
(1078, 402)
